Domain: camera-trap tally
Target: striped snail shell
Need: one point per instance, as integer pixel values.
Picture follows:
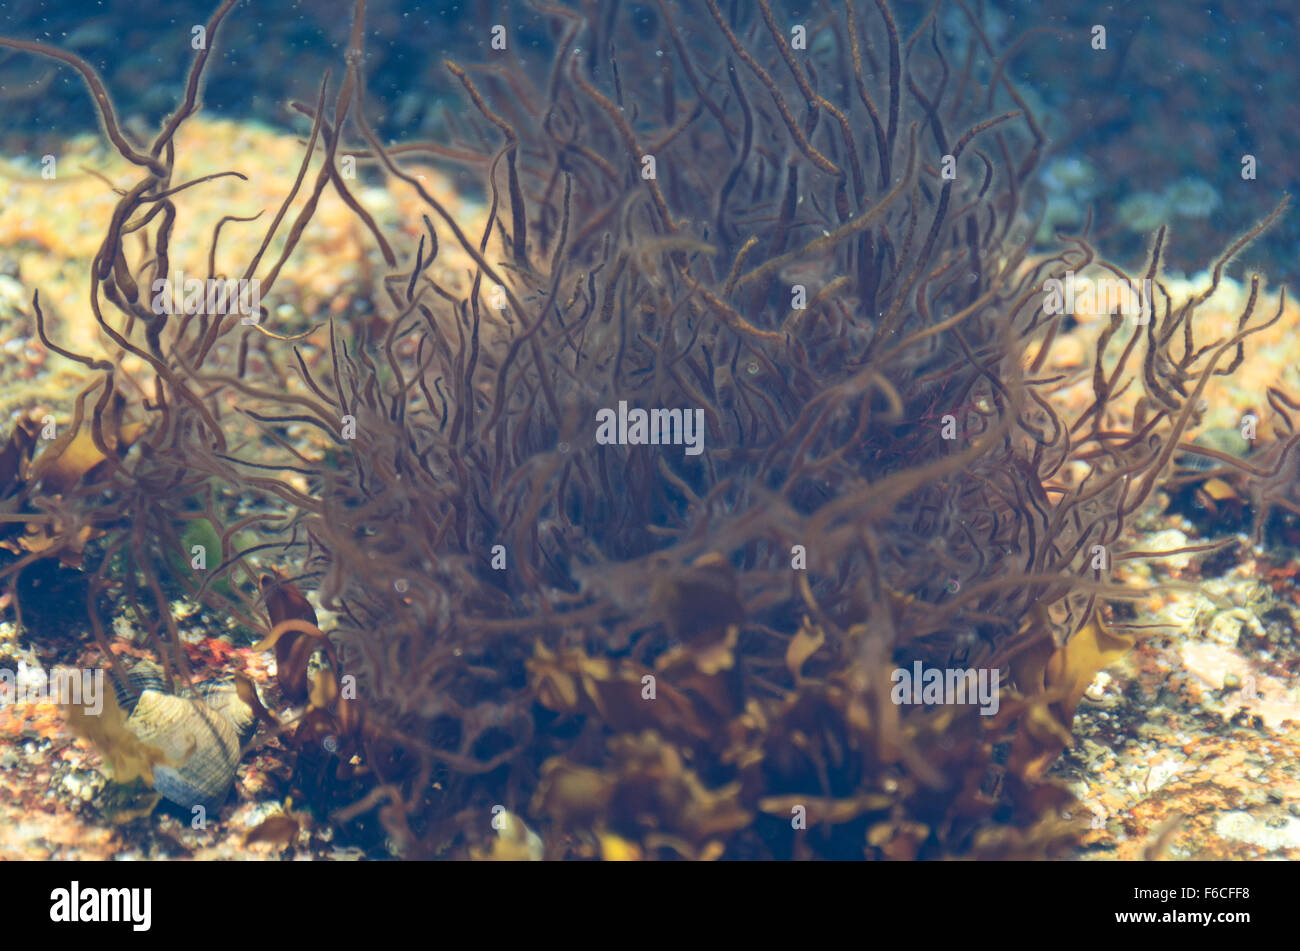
(221, 696)
(199, 740)
(145, 675)
(224, 699)
(201, 736)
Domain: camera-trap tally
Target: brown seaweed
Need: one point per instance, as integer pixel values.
(648, 652)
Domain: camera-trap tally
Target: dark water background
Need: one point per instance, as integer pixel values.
(1182, 91)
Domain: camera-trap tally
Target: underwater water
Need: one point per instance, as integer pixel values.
(692, 429)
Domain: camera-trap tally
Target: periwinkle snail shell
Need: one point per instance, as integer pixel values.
(199, 739)
(203, 736)
(146, 675)
(225, 699)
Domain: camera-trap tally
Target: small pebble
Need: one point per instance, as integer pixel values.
(1097, 689)
(1227, 626)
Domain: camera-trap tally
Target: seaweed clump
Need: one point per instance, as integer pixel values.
(805, 231)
